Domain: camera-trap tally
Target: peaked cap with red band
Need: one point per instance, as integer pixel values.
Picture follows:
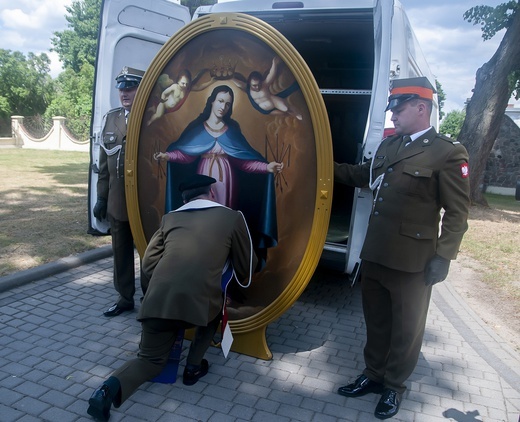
(402, 90)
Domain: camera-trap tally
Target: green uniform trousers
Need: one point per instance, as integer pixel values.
(124, 261)
(157, 339)
(395, 306)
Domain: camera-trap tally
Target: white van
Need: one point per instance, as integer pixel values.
(353, 50)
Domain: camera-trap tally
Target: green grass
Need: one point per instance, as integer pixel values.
(493, 240)
(43, 207)
(503, 202)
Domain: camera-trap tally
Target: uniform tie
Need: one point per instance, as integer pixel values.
(404, 143)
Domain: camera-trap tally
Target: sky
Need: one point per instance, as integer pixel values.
(29, 25)
(453, 47)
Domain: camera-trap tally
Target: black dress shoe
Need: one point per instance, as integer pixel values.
(361, 386)
(99, 404)
(388, 405)
(192, 374)
(116, 310)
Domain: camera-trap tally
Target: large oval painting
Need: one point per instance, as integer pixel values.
(229, 96)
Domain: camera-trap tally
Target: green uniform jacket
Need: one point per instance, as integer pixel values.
(184, 262)
(428, 175)
(111, 181)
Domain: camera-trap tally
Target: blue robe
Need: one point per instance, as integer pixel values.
(256, 192)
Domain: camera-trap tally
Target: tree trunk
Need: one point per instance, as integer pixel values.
(487, 106)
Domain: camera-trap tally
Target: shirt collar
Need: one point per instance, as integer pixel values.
(198, 204)
(416, 135)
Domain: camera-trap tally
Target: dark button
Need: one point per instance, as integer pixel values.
(385, 185)
(380, 199)
(390, 169)
(376, 212)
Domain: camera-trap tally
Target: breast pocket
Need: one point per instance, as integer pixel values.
(109, 139)
(417, 180)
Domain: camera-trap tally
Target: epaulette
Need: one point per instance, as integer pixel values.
(114, 110)
(448, 139)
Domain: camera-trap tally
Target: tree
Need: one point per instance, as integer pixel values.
(495, 82)
(74, 100)
(26, 88)
(77, 49)
(78, 45)
(452, 124)
(441, 97)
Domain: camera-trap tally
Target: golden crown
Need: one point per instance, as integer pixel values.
(223, 70)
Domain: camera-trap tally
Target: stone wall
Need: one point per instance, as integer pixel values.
(58, 137)
(503, 164)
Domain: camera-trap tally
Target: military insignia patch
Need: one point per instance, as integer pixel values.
(464, 170)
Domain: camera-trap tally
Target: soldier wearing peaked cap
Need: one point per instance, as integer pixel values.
(413, 175)
(111, 201)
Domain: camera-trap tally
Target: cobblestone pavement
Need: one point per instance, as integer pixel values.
(56, 347)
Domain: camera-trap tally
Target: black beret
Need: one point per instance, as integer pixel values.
(196, 181)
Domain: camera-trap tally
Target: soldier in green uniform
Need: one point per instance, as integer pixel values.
(111, 200)
(184, 263)
(415, 174)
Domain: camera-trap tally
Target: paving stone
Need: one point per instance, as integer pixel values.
(56, 347)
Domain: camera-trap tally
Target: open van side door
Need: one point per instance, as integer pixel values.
(131, 32)
(383, 14)
(347, 46)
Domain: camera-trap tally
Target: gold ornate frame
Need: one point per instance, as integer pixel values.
(249, 332)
